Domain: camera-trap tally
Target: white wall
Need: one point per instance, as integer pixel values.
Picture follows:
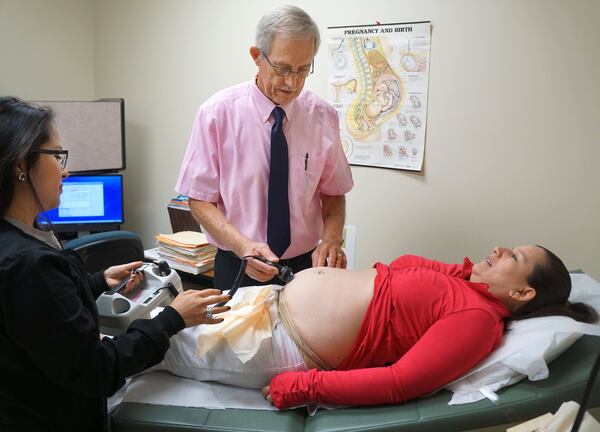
(164, 58)
(47, 49)
(512, 134)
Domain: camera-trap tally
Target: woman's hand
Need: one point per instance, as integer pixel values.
(267, 394)
(192, 305)
(115, 274)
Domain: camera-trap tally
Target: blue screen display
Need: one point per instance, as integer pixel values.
(89, 200)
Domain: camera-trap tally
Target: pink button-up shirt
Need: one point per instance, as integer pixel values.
(228, 155)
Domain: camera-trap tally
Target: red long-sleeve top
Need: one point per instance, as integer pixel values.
(426, 325)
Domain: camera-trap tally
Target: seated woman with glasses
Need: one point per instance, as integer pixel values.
(382, 335)
(55, 370)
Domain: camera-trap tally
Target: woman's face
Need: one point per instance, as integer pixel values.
(506, 270)
(46, 175)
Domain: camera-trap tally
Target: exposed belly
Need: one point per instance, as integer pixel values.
(328, 306)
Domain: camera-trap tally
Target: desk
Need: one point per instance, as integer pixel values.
(199, 281)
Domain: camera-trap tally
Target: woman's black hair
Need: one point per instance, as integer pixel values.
(23, 128)
(552, 284)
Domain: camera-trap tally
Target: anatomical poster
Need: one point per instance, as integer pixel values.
(378, 82)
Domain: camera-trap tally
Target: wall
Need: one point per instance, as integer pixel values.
(512, 131)
(47, 49)
(165, 61)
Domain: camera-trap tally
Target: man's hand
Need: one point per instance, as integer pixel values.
(213, 220)
(330, 254)
(256, 269)
(115, 274)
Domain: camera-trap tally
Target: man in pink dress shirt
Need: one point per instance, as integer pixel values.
(225, 172)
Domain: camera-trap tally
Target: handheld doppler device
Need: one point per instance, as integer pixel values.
(118, 310)
(285, 274)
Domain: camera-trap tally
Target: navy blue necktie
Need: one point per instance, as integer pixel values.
(278, 216)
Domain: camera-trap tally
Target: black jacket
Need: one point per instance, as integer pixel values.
(55, 372)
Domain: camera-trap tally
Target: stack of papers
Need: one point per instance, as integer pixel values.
(180, 202)
(186, 250)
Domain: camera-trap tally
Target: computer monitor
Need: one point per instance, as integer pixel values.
(88, 203)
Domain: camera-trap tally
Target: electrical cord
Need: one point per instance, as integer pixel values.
(171, 289)
(238, 280)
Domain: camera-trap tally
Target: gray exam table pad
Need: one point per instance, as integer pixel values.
(522, 401)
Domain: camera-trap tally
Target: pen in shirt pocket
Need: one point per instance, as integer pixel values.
(306, 162)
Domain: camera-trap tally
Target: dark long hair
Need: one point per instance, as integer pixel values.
(552, 285)
(23, 128)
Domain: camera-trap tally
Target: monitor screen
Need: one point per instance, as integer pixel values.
(88, 203)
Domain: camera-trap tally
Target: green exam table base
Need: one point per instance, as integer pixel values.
(525, 400)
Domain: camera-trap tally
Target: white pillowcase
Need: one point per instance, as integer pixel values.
(528, 346)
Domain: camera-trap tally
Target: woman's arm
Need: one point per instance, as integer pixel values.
(51, 319)
(97, 283)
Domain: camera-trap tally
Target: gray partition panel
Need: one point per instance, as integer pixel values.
(93, 132)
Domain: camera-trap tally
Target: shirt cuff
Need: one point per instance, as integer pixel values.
(291, 389)
(98, 283)
(170, 320)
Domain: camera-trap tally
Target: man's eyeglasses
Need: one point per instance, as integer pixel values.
(286, 70)
(60, 155)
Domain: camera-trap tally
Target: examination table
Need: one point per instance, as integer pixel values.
(517, 403)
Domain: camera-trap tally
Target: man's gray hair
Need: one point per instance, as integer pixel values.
(290, 22)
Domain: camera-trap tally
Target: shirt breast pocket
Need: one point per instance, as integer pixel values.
(307, 170)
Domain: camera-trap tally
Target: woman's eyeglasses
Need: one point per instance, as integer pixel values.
(60, 155)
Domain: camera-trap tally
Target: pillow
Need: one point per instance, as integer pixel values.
(517, 357)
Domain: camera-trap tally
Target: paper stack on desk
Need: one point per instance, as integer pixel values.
(180, 202)
(186, 250)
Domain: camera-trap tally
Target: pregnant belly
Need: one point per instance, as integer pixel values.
(328, 306)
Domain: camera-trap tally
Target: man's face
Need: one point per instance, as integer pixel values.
(296, 54)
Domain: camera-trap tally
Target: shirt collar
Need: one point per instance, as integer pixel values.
(47, 237)
(467, 268)
(265, 106)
